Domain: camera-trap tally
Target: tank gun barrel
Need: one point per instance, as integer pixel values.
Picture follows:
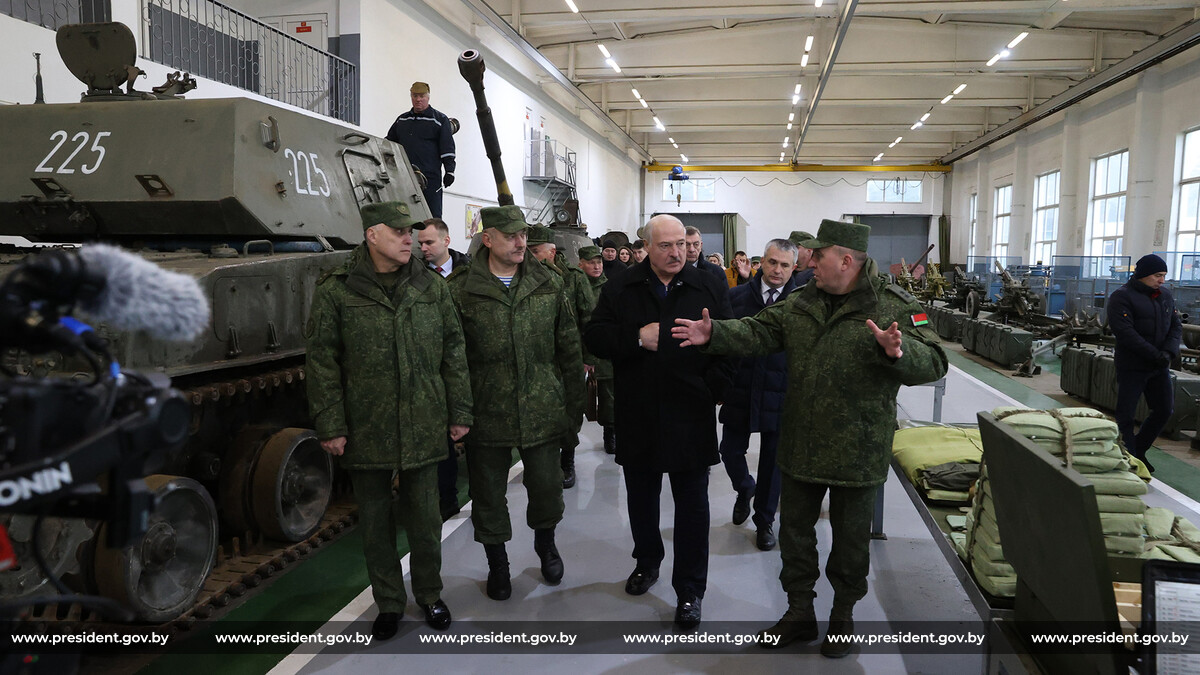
(470, 66)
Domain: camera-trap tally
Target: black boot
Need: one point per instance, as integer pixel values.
(799, 623)
(841, 624)
(552, 564)
(568, 468)
(499, 587)
(610, 440)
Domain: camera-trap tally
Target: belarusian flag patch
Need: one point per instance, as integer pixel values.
(920, 319)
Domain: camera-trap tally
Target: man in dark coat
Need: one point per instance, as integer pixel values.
(1142, 316)
(428, 140)
(591, 262)
(665, 406)
(840, 414)
(755, 400)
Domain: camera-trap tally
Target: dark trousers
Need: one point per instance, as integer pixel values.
(734, 443)
(850, 512)
(422, 523)
(447, 477)
(689, 490)
(433, 193)
(487, 473)
(1160, 398)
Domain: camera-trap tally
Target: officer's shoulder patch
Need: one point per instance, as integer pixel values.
(901, 293)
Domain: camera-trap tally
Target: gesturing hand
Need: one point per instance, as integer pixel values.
(888, 339)
(649, 336)
(693, 333)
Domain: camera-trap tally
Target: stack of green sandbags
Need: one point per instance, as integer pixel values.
(981, 546)
(1086, 440)
(1171, 537)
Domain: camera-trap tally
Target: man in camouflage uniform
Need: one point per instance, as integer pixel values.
(839, 412)
(591, 261)
(524, 354)
(387, 377)
(579, 292)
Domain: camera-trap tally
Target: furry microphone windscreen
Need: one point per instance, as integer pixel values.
(139, 295)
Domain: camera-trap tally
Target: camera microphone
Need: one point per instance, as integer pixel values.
(136, 294)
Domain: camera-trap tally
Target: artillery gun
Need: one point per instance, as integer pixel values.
(936, 285)
(254, 201)
(970, 293)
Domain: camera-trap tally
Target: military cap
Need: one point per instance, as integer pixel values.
(757, 258)
(834, 233)
(589, 253)
(507, 219)
(393, 214)
(419, 88)
(798, 236)
(540, 234)
(609, 243)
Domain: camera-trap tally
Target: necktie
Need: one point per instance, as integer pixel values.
(440, 270)
(771, 292)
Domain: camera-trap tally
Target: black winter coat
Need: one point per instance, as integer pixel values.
(755, 399)
(1145, 326)
(666, 416)
(716, 270)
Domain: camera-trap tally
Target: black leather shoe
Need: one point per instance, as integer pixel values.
(385, 626)
(568, 477)
(552, 563)
(765, 539)
(687, 613)
(437, 615)
(610, 440)
(640, 581)
(449, 510)
(836, 650)
(741, 506)
(499, 586)
(796, 625)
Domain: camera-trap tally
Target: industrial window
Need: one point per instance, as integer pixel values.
(1189, 194)
(691, 190)
(1045, 217)
(1003, 221)
(1110, 175)
(899, 190)
(971, 217)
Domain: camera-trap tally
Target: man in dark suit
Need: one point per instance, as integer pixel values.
(754, 402)
(665, 406)
(695, 254)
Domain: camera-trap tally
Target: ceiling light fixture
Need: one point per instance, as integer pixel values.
(791, 117)
(892, 144)
(659, 124)
(992, 61)
(613, 64)
(916, 126)
(924, 117)
(795, 99)
(808, 43)
(947, 99)
(797, 91)
(684, 158)
(789, 126)
(675, 145)
(643, 102)
(572, 6)
(636, 94)
(670, 139)
(804, 61)
(1017, 40)
(959, 88)
(781, 156)
(603, 50)
(786, 139)
(878, 157)
(817, 3)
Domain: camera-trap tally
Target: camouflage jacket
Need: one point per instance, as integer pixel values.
(390, 374)
(579, 291)
(520, 342)
(839, 413)
(604, 370)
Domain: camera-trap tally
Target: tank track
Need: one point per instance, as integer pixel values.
(242, 562)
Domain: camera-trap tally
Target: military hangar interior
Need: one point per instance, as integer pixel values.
(1024, 152)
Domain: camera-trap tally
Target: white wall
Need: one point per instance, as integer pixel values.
(1146, 114)
(774, 204)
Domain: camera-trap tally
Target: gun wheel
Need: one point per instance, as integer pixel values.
(292, 485)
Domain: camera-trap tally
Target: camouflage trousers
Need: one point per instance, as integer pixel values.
(417, 509)
(487, 471)
(850, 513)
(604, 401)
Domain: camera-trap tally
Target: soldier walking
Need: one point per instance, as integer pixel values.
(524, 355)
(387, 378)
(591, 261)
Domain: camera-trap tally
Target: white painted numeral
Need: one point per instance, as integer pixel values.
(62, 138)
(82, 137)
(309, 161)
(99, 150)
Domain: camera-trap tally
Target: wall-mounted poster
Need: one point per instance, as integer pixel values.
(474, 222)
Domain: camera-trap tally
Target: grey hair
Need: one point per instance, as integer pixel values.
(783, 245)
(691, 230)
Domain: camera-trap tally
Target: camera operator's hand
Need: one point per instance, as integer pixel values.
(334, 446)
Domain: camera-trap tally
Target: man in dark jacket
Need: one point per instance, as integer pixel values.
(591, 262)
(665, 405)
(428, 141)
(695, 254)
(387, 379)
(525, 360)
(1142, 316)
(840, 412)
(755, 401)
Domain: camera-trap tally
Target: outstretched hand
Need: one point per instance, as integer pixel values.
(693, 333)
(888, 339)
